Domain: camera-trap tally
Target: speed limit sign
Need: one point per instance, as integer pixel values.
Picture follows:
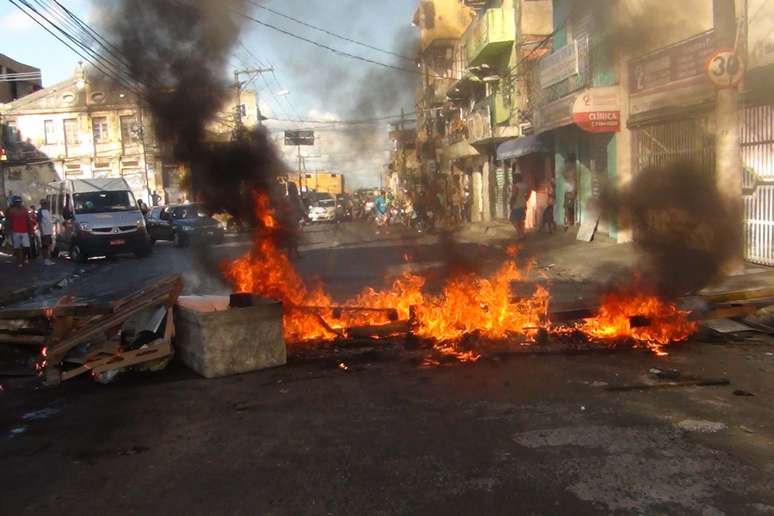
(725, 69)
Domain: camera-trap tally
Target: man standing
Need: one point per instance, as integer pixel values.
(519, 205)
(155, 198)
(570, 191)
(20, 227)
(46, 225)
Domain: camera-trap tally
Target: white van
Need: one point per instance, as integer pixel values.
(96, 217)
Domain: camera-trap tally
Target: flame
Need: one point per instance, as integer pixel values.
(468, 304)
(664, 323)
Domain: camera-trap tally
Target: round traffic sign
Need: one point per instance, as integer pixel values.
(725, 68)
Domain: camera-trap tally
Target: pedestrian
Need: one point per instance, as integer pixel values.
(46, 226)
(518, 204)
(548, 214)
(155, 198)
(143, 207)
(293, 214)
(20, 227)
(570, 191)
(34, 233)
(381, 207)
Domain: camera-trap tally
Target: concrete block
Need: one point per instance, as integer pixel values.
(223, 342)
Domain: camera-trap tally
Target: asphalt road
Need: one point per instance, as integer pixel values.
(511, 434)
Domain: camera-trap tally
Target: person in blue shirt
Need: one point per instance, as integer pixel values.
(381, 204)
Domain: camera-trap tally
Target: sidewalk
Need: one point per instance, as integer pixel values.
(562, 257)
(17, 284)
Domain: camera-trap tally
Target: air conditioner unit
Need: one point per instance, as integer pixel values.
(526, 129)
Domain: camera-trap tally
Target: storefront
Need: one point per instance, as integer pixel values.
(531, 158)
(583, 127)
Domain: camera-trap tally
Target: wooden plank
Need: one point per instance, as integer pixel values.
(79, 310)
(23, 340)
(670, 385)
(112, 323)
(157, 349)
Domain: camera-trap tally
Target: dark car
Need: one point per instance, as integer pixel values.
(183, 224)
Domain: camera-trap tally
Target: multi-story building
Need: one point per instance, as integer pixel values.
(17, 79)
(468, 104)
(84, 127)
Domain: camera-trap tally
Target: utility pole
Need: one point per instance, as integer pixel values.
(402, 147)
(728, 171)
(238, 108)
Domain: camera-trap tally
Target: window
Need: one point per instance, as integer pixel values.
(130, 134)
(13, 134)
(99, 128)
(71, 131)
(129, 129)
(104, 201)
(50, 130)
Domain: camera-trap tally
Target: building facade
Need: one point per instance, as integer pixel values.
(469, 102)
(17, 79)
(84, 127)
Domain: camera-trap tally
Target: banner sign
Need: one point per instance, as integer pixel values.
(561, 65)
(672, 66)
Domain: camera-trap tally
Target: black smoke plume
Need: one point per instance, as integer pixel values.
(685, 228)
(178, 50)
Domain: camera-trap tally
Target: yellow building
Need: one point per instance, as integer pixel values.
(81, 128)
(319, 181)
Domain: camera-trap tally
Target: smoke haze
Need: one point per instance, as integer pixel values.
(683, 226)
(178, 50)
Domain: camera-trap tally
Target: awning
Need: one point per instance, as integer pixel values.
(519, 147)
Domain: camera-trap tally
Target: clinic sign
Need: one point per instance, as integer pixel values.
(598, 110)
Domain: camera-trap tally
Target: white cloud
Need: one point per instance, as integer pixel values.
(16, 21)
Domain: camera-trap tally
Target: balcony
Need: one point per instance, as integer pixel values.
(435, 93)
(488, 120)
(491, 33)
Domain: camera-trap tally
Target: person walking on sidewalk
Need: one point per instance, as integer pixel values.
(548, 213)
(46, 226)
(20, 227)
(519, 205)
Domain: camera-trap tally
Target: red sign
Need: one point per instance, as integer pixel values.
(599, 121)
(598, 110)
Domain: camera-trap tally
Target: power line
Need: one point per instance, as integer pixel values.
(348, 122)
(325, 31)
(99, 67)
(100, 40)
(293, 110)
(334, 50)
(74, 32)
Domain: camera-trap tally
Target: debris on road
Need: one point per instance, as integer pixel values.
(687, 383)
(101, 337)
(695, 425)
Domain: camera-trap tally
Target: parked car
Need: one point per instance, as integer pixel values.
(96, 217)
(184, 224)
(322, 208)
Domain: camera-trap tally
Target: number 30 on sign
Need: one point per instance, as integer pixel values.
(725, 69)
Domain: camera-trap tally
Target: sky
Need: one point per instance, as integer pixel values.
(320, 84)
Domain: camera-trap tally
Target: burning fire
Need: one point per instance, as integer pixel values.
(645, 319)
(467, 305)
